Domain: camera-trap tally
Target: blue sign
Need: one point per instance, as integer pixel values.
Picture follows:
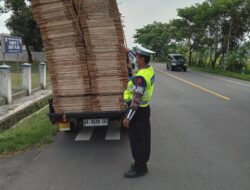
(11, 44)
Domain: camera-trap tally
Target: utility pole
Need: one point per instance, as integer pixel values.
(228, 44)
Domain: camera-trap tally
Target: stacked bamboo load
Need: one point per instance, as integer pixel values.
(82, 39)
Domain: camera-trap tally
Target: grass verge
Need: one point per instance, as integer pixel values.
(30, 132)
(245, 77)
(15, 118)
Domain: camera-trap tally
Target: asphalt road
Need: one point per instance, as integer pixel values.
(200, 141)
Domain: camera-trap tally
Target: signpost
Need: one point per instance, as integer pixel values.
(12, 45)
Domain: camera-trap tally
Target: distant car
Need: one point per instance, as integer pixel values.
(176, 61)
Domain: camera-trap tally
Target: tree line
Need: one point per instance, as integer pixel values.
(214, 33)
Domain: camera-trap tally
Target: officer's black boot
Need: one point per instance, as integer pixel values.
(135, 172)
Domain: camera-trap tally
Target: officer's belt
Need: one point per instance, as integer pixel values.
(144, 103)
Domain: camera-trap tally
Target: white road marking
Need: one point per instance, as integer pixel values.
(113, 131)
(195, 85)
(85, 134)
(227, 80)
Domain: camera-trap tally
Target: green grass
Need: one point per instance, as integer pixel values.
(31, 132)
(248, 65)
(16, 80)
(222, 73)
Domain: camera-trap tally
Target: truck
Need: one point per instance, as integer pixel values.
(88, 70)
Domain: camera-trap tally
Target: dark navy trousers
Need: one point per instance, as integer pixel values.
(140, 138)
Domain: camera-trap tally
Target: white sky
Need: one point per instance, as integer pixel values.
(137, 13)
(3, 18)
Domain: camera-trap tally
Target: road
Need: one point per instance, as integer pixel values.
(200, 141)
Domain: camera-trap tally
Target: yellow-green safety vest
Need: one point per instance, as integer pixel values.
(149, 75)
(128, 93)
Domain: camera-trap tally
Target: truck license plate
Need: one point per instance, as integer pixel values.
(95, 122)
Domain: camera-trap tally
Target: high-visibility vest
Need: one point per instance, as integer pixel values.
(128, 93)
(149, 75)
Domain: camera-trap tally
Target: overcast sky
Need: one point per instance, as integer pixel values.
(138, 13)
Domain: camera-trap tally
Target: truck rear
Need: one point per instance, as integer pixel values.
(87, 66)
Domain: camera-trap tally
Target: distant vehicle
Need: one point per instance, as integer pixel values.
(176, 61)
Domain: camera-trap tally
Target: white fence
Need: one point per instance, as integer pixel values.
(5, 80)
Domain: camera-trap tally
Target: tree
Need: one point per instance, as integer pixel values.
(210, 30)
(227, 25)
(22, 24)
(219, 25)
(192, 27)
(155, 36)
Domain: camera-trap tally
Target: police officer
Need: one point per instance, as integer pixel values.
(137, 119)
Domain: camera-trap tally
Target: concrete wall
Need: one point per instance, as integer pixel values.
(23, 57)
